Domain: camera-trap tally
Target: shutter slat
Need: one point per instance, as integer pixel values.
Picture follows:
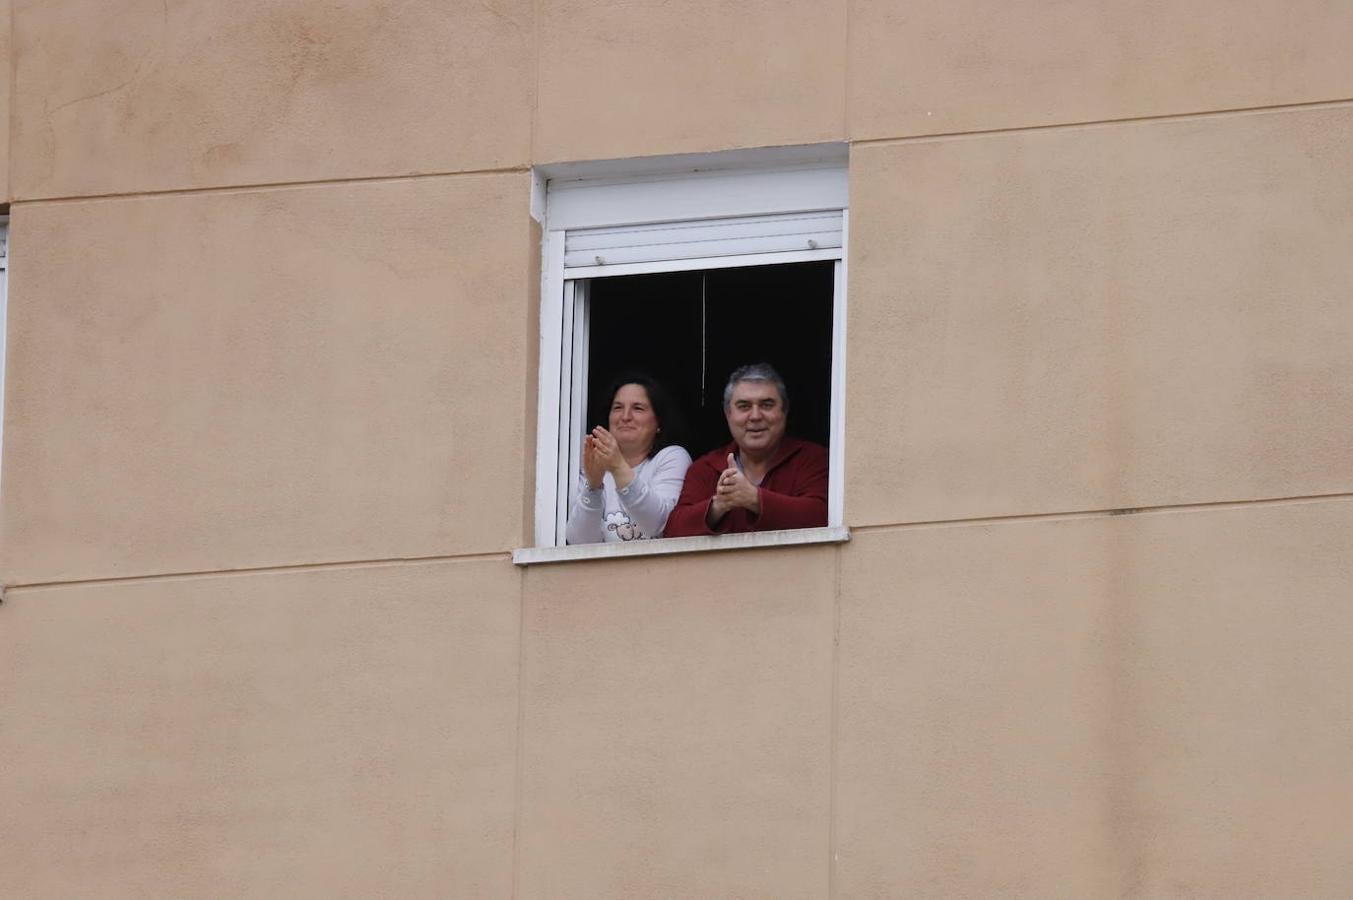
(692, 240)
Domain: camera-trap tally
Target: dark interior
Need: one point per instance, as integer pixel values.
(655, 324)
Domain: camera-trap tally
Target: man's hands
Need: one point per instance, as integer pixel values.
(733, 491)
(601, 454)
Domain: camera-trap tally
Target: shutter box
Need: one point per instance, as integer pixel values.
(732, 236)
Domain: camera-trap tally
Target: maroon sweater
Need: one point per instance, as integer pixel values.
(793, 493)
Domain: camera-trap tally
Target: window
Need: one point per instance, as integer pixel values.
(715, 261)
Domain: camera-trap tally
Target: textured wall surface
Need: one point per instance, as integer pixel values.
(661, 757)
(116, 96)
(1114, 316)
(346, 732)
(269, 441)
(748, 74)
(266, 377)
(6, 87)
(1149, 705)
(967, 65)
(1009, 748)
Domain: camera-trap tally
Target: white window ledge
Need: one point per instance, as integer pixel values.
(530, 556)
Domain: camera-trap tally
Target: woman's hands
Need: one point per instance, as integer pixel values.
(593, 467)
(601, 454)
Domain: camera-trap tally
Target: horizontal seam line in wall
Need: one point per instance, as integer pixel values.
(1099, 123)
(507, 555)
(1111, 513)
(269, 570)
(268, 186)
(861, 142)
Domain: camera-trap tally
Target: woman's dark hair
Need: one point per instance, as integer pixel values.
(671, 424)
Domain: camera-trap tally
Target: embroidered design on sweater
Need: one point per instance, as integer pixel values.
(623, 527)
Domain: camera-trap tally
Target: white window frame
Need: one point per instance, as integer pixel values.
(686, 189)
(4, 318)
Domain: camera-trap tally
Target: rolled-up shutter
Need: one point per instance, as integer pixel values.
(733, 236)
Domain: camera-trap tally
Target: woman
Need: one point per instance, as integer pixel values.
(632, 471)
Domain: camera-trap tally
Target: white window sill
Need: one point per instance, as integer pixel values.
(530, 556)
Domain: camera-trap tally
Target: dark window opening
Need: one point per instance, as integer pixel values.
(689, 330)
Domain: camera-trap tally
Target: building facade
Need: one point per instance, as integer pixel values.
(273, 355)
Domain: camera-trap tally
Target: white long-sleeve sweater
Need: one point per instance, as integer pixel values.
(637, 512)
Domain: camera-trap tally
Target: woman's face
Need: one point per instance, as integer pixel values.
(632, 420)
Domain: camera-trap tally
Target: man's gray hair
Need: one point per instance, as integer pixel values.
(755, 372)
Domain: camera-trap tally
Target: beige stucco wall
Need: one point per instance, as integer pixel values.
(267, 377)
(341, 732)
(269, 431)
(115, 96)
(1128, 315)
(6, 86)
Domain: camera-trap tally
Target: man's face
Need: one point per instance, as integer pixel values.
(756, 417)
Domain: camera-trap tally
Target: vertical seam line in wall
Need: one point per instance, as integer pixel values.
(845, 76)
(833, 720)
(517, 789)
(9, 115)
(535, 78)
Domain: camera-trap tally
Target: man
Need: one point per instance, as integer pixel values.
(762, 481)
